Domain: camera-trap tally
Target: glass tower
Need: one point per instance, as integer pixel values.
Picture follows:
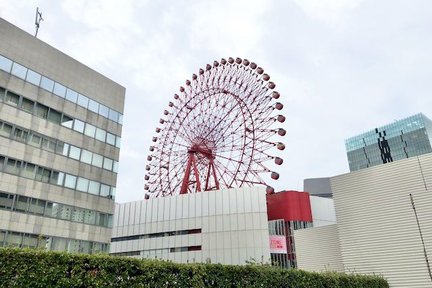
(401, 139)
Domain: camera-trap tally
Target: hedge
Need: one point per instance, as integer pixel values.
(39, 268)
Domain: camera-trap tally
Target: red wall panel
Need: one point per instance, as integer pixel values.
(290, 206)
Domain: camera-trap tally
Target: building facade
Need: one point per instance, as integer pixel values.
(60, 129)
(220, 226)
(399, 140)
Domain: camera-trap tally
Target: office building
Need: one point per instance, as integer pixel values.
(60, 129)
(399, 140)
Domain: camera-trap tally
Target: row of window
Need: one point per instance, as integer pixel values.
(57, 117)
(155, 252)
(19, 239)
(44, 208)
(58, 89)
(156, 235)
(47, 175)
(56, 146)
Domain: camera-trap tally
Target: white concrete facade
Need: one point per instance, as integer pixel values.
(225, 226)
(323, 211)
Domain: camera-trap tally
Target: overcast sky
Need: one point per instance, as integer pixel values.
(342, 67)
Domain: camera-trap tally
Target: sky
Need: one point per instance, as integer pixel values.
(341, 67)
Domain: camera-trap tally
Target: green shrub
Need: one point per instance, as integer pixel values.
(38, 268)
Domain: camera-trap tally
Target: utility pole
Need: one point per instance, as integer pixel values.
(421, 237)
(38, 20)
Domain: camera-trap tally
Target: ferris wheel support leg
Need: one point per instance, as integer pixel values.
(198, 183)
(185, 182)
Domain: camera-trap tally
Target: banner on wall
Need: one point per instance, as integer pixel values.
(278, 244)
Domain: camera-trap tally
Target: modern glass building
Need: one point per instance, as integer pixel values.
(401, 139)
(60, 129)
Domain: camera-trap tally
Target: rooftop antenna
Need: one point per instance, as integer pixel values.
(38, 20)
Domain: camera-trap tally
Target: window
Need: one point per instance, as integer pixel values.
(21, 204)
(35, 140)
(48, 145)
(57, 178)
(47, 84)
(54, 116)
(120, 119)
(2, 162)
(13, 239)
(115, 167)
(65, 151)
(12, 98)
(19, 71)
(78, 214)
(103, 110)
(2, 93)
(105, 190)
(20, 135)
(90, 217)
(118, 140)
(59, 90)
(42, 111)
(27, 105)
(5, 64)
(113, 115)
(90, 130)
(110, 139)
(59, 146)
(94, 187)
(108, 164)
(13, 166)
(33, 77)
(83, 101)
(30, 241)
(37, 206)
(100, 134)
(67, 121)
(5, 130)
(74, 152)
(78, 126)
(6, 201)
(93, 106)
(86, 156)
(97, 160)
(59, 244)
(71, 95)
(70, 181)
(29, 171)
(43, 174)
(82, 184)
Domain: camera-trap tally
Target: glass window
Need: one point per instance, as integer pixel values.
(47, 84)
(59, 244)
(29, 171)
(2, 93)
(82, 184)
(83, 101)
(78, 214)
(12, 98)
(93, 106)
(20, 135)
(103, 220)
(94, 187)
(59, 147)
(43, 174)
(71, 95)
(78, 126)
(86, 156)
(105, 190)
(110, 138)
(21, 204)
(65, 151)
(37, 206)
(13, 166)
(19, 70)
(6, 201)
(14, 239)
(54, 116)
(33, 77)
(48, 145)
(108, 164)
(30, 241)
(113, 192)
(73, 245)
(74, 152)
(85, 247)
(64, 212)
(118, 140)
(57, 178)
(5, 130)
(90, 217)
(35, 140)
(103, 110)
(51, 209)
(120, 120)
(97, 160)
(59, 90)
(113, 115)
(110, 221)
(70, 181)
(27, 105)
(41, 111)
(67, 121)
(115, 167)
(90, 130)
(2, 162)
(100, 134)
(5, 64)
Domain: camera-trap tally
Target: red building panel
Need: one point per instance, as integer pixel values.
(290, 206)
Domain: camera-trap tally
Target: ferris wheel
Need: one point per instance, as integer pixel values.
(217, 132)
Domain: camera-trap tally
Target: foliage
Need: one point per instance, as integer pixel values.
(38, 268)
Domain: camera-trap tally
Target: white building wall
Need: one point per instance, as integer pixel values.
(318, 249)
(323, 211)
(233, 226)
(377, 228)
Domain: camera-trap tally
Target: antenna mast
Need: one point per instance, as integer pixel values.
(38, 20)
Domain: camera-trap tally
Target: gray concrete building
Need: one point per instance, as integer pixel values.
(60, 129)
